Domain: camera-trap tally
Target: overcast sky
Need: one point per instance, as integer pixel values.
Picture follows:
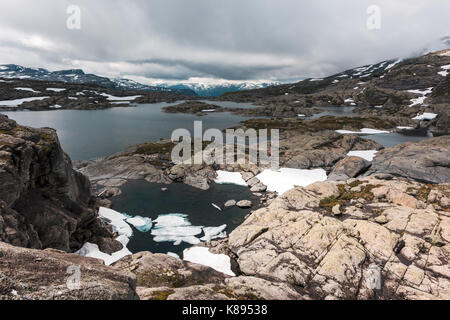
(227, 39)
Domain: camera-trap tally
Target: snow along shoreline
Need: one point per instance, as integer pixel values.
(173, 227)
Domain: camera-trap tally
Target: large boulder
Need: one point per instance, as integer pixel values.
(426, 161)
(349, 167)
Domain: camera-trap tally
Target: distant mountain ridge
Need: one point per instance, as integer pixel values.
(77, 76)
(218, 89)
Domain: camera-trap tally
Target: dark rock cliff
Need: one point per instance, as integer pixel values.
(44, 203)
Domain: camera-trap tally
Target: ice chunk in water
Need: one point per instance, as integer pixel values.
(212, 233)
(142, 224)
(175, 228)
(117, 221)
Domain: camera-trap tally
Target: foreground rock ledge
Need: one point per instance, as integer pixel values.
(398, 227)
(28, 274)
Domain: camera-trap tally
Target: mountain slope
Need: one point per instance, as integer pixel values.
(77, 76)
(396, 82)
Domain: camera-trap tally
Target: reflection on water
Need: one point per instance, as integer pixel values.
(147, 200)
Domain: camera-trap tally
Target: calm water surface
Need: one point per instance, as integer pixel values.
(87, 134)
(147, 200)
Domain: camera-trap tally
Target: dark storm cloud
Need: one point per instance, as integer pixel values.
(233, 39)
(219, 69)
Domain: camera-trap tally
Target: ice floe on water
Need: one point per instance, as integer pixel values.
(117, 221)
(286, 179)
(142, 224)
(367, 154)
(176, 228)
(173, 227)
(218, 262)
(226, 177)
(425, 116)
(363, 131)
(212, 233)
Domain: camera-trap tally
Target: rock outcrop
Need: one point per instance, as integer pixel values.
(44, 203)
(321, 150)
(426, 161)
(391, 241)
(160, 277)
(28, 274)
(349, 167)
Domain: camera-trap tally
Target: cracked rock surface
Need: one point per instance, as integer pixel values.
(297, 241)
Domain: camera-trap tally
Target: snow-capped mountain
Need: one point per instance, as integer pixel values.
(194, 86)
(216, 90)
(207, 87)
(77, 76)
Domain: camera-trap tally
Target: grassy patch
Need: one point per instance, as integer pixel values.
(161, 295)
(230, 294)
(47, 137)
(159, 278)
(345, 195)
(154, 148)
(330, 202)
(365, 193)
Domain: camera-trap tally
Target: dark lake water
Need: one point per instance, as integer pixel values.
(388, 140)
(148, 200)
(230, 104)
(88, 134)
